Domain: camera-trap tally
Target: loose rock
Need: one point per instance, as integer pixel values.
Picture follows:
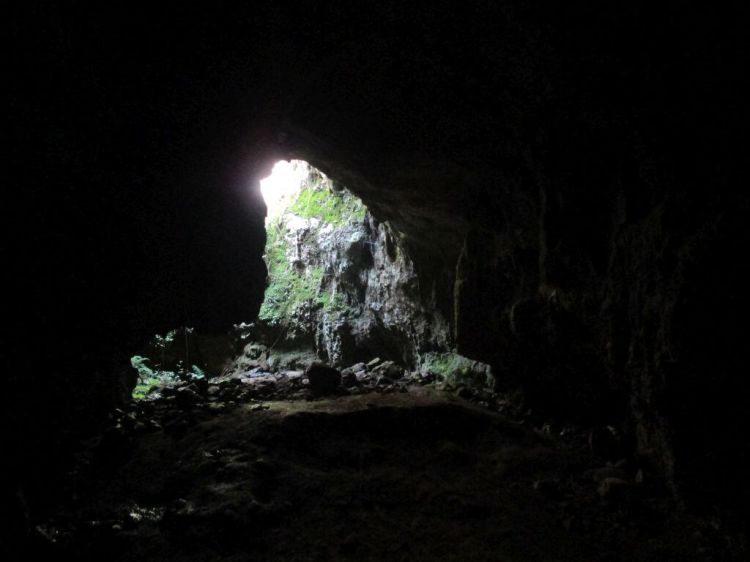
(348, 378)
(187, 397)
(323, 379)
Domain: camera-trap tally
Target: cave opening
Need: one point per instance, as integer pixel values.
(342, 287)
(553, 192)
(341, 290)
(318, 253)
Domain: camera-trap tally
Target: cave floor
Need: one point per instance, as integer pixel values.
(417, 475)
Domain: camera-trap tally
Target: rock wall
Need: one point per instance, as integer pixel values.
(571, 189)
(342, 284)
(611, 296)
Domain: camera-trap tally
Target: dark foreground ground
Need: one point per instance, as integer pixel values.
(404, 473)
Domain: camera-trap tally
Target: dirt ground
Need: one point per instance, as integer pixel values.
(419, 474)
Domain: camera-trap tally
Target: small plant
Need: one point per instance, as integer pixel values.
(148, 377)
(161, 343)
(179, 369)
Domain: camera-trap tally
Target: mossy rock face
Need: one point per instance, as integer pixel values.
(303, 245)
(340, 283)
(295, 281)
(457, 369)
(319, 199)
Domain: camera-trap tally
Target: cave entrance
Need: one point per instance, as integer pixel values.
(318, 255)
(341, 288)
(318, 252)
(283, 186)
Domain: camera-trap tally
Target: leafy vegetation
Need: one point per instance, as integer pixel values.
(149, 376)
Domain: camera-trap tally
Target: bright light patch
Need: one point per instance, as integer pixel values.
(284, 183)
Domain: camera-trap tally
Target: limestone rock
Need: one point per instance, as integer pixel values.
(348, 377)
(323, 379)
(294, 375)
(388, 369)
(457, 369)
(187, 397)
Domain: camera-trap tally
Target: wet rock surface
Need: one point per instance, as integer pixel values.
(260, 466)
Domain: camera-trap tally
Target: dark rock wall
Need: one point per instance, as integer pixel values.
(576, 206)
(565, 179)
(385, 315)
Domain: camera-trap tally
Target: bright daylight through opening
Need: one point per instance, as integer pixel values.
(282, 185)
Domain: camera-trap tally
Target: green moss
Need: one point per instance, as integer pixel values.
(334, 304)
(454, 368)
(289, 286)
(144, 386)
(444, 364)
(318, 200)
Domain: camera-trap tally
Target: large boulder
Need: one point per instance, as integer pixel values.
(323, 379)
